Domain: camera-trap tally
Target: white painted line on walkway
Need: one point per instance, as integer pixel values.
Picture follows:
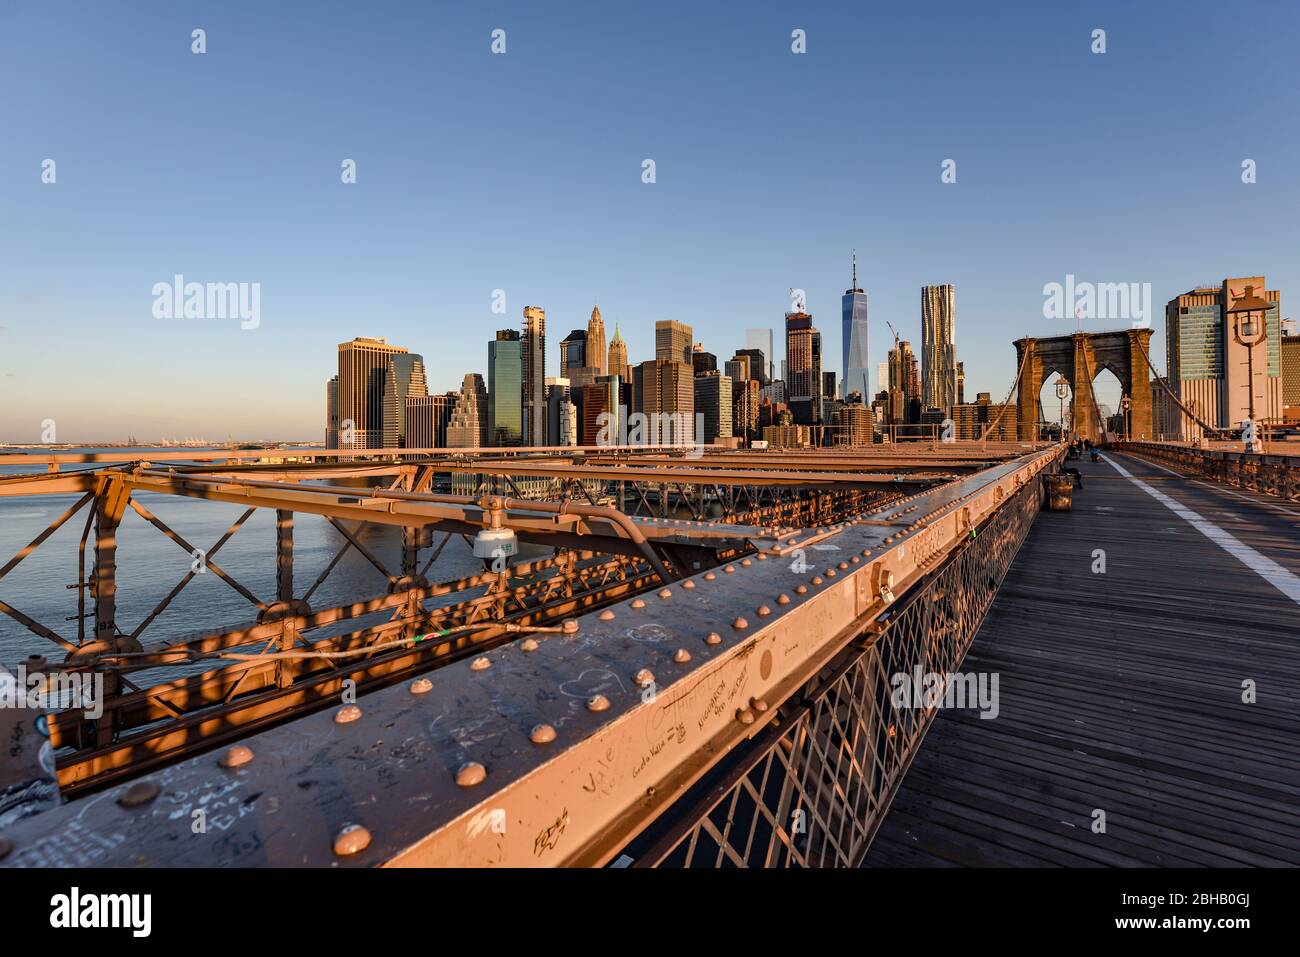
(1219, 488)
(1263, 566)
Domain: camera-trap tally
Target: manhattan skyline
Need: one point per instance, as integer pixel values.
(523, 172)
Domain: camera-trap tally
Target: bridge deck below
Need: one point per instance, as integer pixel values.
(1122, 692)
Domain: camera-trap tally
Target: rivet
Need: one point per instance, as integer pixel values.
(347, 714)
(762, 556)
(713, 638)
(480, 664)
(744, 716)
(855, 560)
(637, 603)
(541, 734)
(238, 755)
(597, 702)
(569, 626)
(817, 580)
(758, 704)
(644, 678)
(745, 562)
(681, 656)
(764, 611)
(783, 599)
(142, 792)
(843, 565)
(688, 584)
(421, 686)
(801, 589)
(830, 573)
(729, 569)
(740, 624)
(470, 774)
(607, 615)
(665, 593)
(709, 577)
(353, 839)
(528, 644)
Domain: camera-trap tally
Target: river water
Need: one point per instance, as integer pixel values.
(150, 565)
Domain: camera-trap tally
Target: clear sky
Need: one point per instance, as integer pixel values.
(523, 172)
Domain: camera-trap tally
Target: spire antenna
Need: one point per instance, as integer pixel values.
(855, 269)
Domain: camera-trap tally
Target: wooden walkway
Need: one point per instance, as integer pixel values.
(1122, 693)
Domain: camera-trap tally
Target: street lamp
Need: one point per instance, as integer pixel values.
(1249, 328)
(1126, 403)
(1062, 390)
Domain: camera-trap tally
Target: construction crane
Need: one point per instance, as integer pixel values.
(894, 331)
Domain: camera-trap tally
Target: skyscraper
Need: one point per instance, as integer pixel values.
(467, 428)
(596, 355)
(363, 380)
(1209, 365)
(332, 413)
(505, 389)
(854, 318)
(803, 367)
(713, 401)
(618, 364)
(405, 377)
(673, 341)
(761, 339)
(573, 351)
(938, 349)
(427, 417)
(534, 375)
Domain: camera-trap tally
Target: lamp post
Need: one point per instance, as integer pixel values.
(1125, 404)
(1061, 391)
(1249, 328)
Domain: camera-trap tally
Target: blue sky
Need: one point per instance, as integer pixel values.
(523, 172)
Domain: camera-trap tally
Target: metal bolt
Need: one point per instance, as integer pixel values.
(569, 626)
(480, 664)
(713, 638)
(762, 556)
(353, 839)
(709, 577)
(470, 774)
(665, 593)
(688, 584)
(528, 644)
(801, 589)
(843, 565)
(830, 573)
(729, 569)
(421, 686)
(597, 702)
(235, 757)
(744, 716)
(541, 734)
(347, 714)
(817, 580)
(758, 704)
(745, 562)
(637, 603)
(139, 793)
(740, 624)
(764, 611)
(681, 656)
(783, 599)
(607, 615)
(644, 678)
